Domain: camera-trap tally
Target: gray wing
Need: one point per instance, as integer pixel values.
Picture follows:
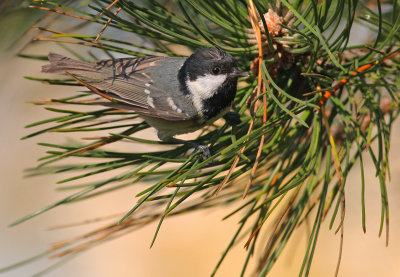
(124, 80)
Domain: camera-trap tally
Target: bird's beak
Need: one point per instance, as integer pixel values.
(238, 73)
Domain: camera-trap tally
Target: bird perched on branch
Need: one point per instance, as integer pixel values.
(175, 95)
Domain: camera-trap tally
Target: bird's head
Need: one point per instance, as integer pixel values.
(207, 70)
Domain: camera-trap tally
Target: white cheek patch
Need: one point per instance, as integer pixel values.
(204, 88)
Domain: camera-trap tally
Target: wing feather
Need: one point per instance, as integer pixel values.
(123, 80)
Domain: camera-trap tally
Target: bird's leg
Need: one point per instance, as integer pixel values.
(203, 148)
(232, 118)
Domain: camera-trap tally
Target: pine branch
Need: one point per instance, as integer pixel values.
(312, 100)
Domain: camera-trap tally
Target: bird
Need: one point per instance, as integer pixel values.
(175, 95)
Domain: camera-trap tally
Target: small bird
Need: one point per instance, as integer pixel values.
(175, 95)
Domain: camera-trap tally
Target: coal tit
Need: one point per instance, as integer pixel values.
(175, 95)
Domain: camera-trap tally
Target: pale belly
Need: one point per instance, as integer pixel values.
(167, 129)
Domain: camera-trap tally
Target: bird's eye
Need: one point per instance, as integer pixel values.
(216, 70)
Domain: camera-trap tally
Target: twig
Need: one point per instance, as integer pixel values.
(109, 20)
(340, 251)
(257, 31)
(260, 87)
(60, 12)
(358, 71)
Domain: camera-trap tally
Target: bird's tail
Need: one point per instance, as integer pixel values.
(61, 64)
(64, 65)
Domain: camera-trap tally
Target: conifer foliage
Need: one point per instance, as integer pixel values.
(313, 104)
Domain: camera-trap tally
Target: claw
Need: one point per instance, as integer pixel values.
(204, 150)
(197, 147)
(232, 118)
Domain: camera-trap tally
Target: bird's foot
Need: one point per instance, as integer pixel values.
(204, 150)
(232, 118)
(197, 147)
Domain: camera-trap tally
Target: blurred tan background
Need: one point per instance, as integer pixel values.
(187, 245)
